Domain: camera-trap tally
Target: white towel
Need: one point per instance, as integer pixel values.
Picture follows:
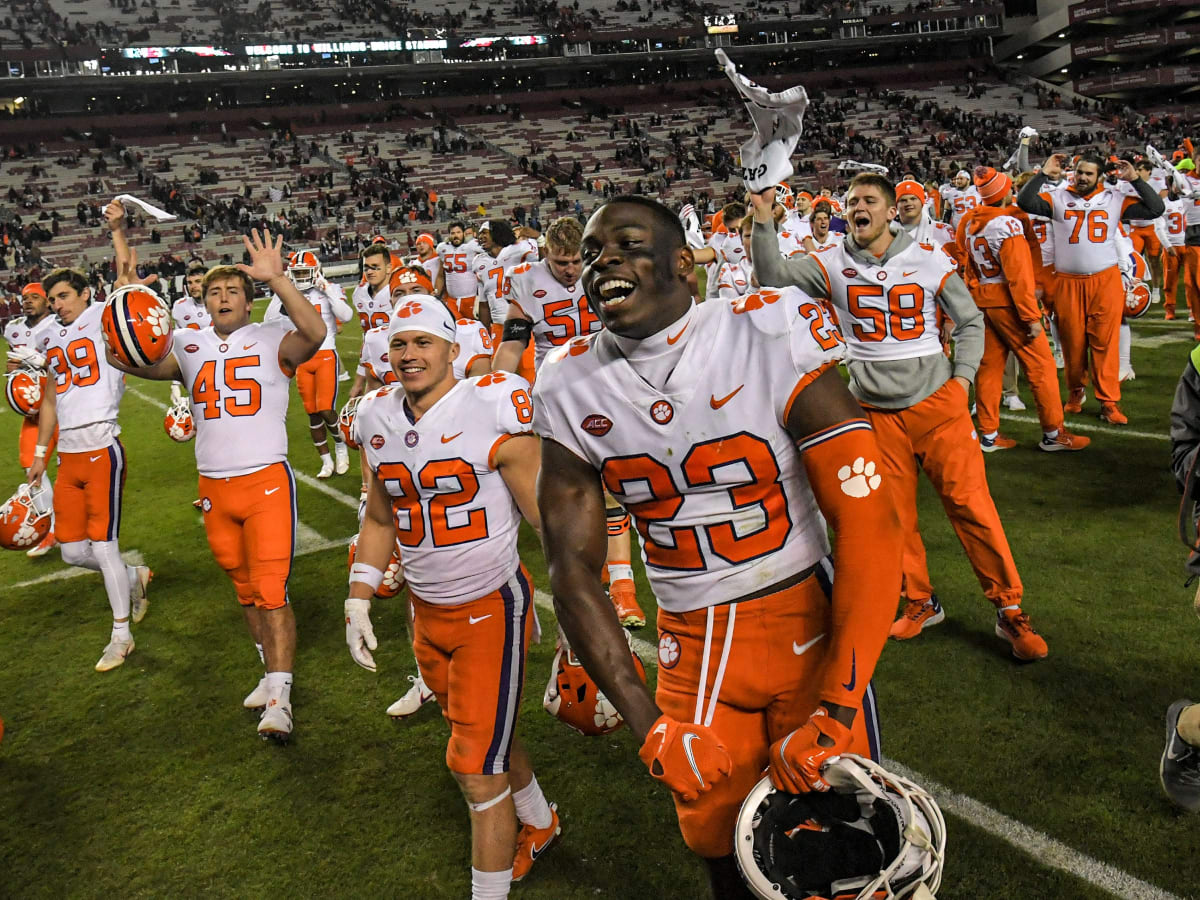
(149, 208)
(778, 120)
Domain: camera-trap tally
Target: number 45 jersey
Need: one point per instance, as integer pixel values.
(711, 477)
(455, 520)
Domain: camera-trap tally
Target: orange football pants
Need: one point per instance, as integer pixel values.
(88, 494)
(1089, 310)
(472, 656)
(1171, 268)
(752, 672)
(250, 521)
(1191, 282)
(1004, 333)
(938, 436)
(27, 442)
(1145, 241)
(317, 382)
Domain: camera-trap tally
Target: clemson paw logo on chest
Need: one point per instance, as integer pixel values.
(859, 478)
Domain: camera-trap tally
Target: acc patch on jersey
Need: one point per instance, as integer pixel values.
(597, 424)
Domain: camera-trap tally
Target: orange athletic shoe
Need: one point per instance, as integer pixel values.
(1064, 441)
(623, 594)
(1074, 403)
(1013, 625)
(533, 842)
(917, 615)
(47, 544)
(1168, 315)
(1111, 413)
(999, 442)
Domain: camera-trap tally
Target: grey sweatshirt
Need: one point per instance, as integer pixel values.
(891, 383)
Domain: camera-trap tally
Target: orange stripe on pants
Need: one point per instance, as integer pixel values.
(938, 435)
(1005, 332)
(1088, 309)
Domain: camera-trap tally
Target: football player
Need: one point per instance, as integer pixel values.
(189, 311)
(958, 197)
(730, 474)
(237, 374)
(316, 379)
(913, 215)
(82, 408)
(427, 256)
(545, 299)
(27, 336)
(998, 246)
(434, 445)
(1173, 248)
(372, 299)
(820, 236)
(1089, 295)
(501, 252)
(886, 289)
(455, 281)
(723, 246)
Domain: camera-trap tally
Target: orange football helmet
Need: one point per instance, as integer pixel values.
(25, 518)
(572, 696)
(784, 196)
(304, 269)
(405, 278)
(24, 388)
(393, 575)
(136, 323)
(178, 423)
(346, 421)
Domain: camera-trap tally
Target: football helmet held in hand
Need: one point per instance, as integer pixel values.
(136, 324)
(178, 422)
(346, 421)
(25, 518)
(24, 388)
(875, 835)
(572, 696)
(393, 575)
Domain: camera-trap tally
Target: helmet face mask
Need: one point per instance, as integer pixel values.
(25, 518)
(304, 269)
(178, 422)
(874, 835)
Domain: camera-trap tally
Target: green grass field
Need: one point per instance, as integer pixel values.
(150, 780)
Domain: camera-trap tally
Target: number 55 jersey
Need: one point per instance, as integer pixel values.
(455, 519)
(696, 450)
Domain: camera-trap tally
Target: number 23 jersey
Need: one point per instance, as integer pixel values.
(455, 519)
(705, 466)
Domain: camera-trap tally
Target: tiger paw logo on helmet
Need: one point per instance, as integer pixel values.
(411, 308)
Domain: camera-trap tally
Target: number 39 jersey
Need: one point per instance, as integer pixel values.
(87, 389)
(373, 311)
(704, 466)
(558, 312)
(456, 522)
(890, 311)
(238, 391)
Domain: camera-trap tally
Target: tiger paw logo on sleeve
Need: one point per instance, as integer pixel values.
(859, 479)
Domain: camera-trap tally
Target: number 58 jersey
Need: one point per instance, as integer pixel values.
(704, 465)
(456, 521)
(238, 389)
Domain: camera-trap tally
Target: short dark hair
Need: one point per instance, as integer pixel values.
(660, 211)
(734, 210)
(73, 277)
(377, 249)
(456, 224)
(822, 207)
(196, 269)
(1093, 158)
(871, 179)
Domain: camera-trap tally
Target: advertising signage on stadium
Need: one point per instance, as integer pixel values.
(1090, 9)
(1179, 34)
(516, 40)
(165, 52)
(1167, 76)
(722, 24)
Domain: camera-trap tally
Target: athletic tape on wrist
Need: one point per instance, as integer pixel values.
(364, 574)
(488, 804)
(39, 452)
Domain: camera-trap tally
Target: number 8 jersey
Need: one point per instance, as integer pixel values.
(711, 477)
(455, 520)
(238, 390)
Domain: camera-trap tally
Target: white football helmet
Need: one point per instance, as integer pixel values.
(304, 268)
(874, 836)
(178, 422)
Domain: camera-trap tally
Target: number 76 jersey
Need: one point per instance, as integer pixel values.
(456, 521)
(704, 465)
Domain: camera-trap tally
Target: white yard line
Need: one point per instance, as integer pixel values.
(131, 558)
(1075, 425)
(327, 489)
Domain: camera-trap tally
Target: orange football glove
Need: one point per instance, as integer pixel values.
(689, 759)
(796, 760)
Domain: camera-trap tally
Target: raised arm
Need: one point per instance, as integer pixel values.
(266, 264)
(770, 267)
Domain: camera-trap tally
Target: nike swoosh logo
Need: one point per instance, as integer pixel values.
(474, 620)
(717, 404)
(799, 649)
(248, 346)
(913, 272)
(535, 851)
(81, 327)
(688, 739)
(271, 491)
(94, 458)
(446, 440)
(672, 340)
(849, 685)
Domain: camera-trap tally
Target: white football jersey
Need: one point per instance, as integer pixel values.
(489, 275)
(705, 467)
(18, 333)
(558, 312)
(1191, 205)
(1083, 228)
(373, 311)
(984, 247)
(189, 313)
(959, 202)
(791, 243)
(734, 279)
(455, 520)
(432, 266)
(888, 311)
(457, 267)
(238, 392)
(330, 302)
(831, 238)
(728, 247)
(473, 341)
(87, 389)
(1175, 216)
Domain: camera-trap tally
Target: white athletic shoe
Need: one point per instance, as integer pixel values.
(326, 467)
(1128, 374)
(1013, 402)
(257, 698)
(418, 695)
(276, 722)
(341, 458)
(343, 375)
(1059, 362)
(47, 544)
(137, 593)
(114, 654)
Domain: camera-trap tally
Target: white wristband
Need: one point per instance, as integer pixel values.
(39, 452)
(368, 575)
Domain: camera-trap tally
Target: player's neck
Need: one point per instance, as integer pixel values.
(34, 320)
(420, 402)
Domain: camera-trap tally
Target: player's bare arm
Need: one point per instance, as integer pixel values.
(266, 264)
(376, 541)
(571, 502)
(166, 369)
(47, 424)
(518, 461)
